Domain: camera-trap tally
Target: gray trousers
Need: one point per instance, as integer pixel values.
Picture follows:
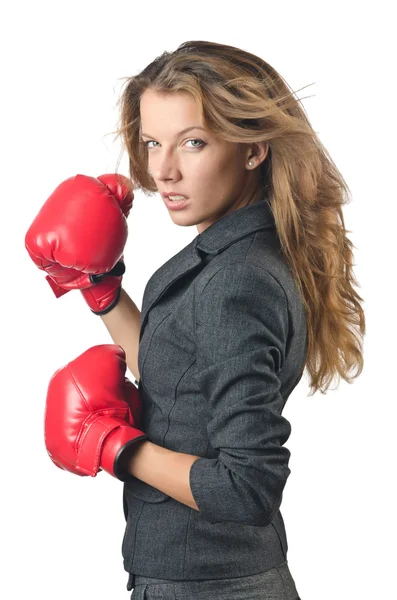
(274, 584)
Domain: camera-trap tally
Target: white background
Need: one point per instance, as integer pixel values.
(61, 70)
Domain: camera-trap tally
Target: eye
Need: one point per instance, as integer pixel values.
(191, 140)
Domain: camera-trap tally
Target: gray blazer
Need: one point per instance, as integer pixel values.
(223, 343)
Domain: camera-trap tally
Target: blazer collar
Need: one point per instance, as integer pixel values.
(234, 226)
(213, 240)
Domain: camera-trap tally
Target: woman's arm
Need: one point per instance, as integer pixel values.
(123, 323)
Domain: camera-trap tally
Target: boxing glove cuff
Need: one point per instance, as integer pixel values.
(102, 446)
(102, 297)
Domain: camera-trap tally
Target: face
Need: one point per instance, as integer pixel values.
(213, 174)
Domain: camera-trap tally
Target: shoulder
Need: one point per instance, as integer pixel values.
(239, 293)
(256, 259)
(256, 271)
(241, 276)
(241, 311)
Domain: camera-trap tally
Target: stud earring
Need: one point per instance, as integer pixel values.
(250, 163)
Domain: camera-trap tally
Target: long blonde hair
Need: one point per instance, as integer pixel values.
(243, 99)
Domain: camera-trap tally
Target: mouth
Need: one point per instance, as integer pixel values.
(172, 194)
(175, 204)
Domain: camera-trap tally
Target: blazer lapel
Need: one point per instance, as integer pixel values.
(177, 266)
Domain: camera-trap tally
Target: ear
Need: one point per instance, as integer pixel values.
(258, 152)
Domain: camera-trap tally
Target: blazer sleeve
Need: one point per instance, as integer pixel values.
(241, 336)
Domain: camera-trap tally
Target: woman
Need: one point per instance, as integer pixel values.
(228, 324)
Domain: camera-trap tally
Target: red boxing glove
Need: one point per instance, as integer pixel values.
(79, 235)
(92, 413)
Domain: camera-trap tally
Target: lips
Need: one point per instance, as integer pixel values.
(176, 205)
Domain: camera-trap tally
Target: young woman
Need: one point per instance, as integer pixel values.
(228, 324)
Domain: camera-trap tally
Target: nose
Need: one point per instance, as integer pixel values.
(164, 167)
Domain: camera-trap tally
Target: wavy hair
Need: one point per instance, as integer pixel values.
(243, 99)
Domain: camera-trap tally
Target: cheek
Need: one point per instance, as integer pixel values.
(215, 170)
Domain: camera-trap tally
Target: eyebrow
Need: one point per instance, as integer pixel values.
(180, 133)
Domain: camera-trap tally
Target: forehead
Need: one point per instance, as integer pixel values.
(166, 111)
